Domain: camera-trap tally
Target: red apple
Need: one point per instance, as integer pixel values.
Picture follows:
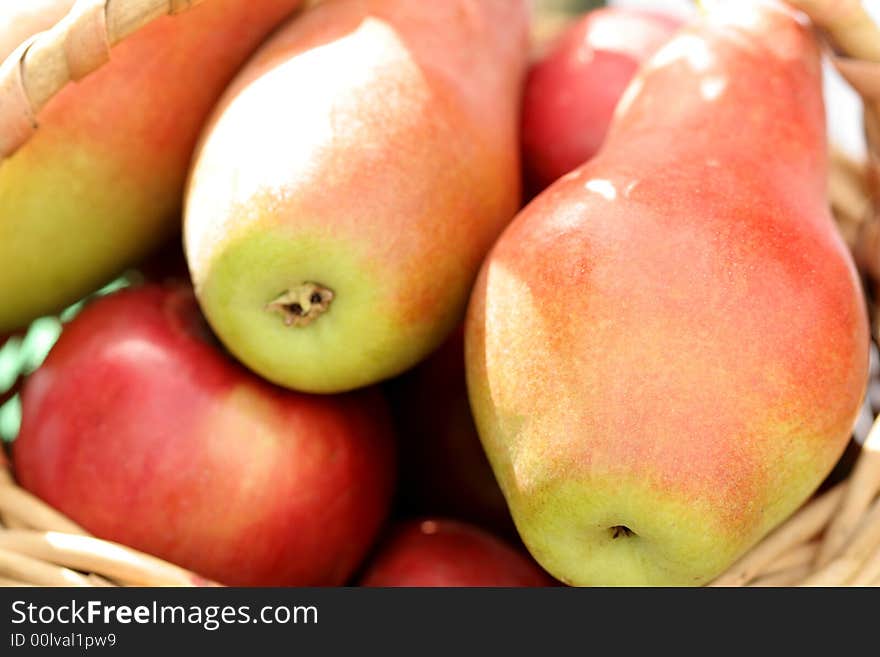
(572, 90)
(443, 468)
(447, 553)
(141, 430)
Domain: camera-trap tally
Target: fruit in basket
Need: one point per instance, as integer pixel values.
(142, 431)
(443, 469)
(21, 19)
(572, 90)
(447, 553)
(101, 182)
(334, 234)
(667, 349)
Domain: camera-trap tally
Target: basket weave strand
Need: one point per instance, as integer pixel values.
(856, 39)
(77, 45)
(41, 547)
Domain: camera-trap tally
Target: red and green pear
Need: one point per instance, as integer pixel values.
(668, 348)
(101, 183)
(351, 182)
(140, 429)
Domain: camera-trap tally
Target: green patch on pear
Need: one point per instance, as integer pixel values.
(625, 533)
(348, 345)
(64, 231)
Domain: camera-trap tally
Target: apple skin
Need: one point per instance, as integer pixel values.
(443, 469)
(673, 338)
(101, 182)
(437, 552)
(370, 147)
(572, 89)
(142, 431)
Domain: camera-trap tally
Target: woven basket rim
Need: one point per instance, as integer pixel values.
(81, 41)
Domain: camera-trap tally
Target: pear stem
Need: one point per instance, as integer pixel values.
(301, 305)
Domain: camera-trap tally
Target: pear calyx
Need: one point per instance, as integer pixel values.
(621, 531)
(301, 305)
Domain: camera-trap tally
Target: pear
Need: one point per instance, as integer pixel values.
(667, 349)
(101, 183)
(351, 182)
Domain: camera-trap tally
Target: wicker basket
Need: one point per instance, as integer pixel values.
(833, 540)
(41, 547)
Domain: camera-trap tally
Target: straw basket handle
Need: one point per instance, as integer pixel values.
(77, 45)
